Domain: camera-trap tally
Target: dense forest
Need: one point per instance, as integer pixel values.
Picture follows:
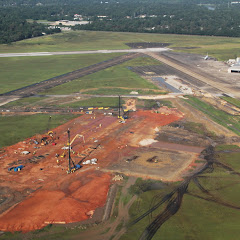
(170, 18)
(200, 17)
(14, 27)
(79, 2)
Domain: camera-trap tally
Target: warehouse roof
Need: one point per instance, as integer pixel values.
(234, 68)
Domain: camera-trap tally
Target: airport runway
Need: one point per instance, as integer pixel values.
(36, 54)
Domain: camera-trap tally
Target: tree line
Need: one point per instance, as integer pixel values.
(200, 17)
(182, 18)
(14, 27)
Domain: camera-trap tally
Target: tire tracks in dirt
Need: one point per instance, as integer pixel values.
(123, 217)
(175, 197)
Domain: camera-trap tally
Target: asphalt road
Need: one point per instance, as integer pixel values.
(83, 52)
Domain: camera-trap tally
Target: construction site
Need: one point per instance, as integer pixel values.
(68, 174)
(64, 175)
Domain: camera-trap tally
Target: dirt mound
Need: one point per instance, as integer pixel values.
(146, 142)
(167, 111)
(130, 105)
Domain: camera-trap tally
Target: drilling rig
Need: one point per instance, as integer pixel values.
(125, 112)
(72, 167)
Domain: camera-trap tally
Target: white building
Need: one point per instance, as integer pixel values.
(234, 68)
(69, 23)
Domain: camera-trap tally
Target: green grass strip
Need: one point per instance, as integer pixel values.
(220, 117)
(233, 101)
(17, 128)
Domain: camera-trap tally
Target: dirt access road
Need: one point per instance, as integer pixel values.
(108, 229)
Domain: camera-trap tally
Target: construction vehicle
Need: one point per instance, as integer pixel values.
(16, 169)
(50, 133)
(122, 120)
(125, 112)
(69, 146)
(48, 137)
(89, 112)
(72, 167)
(79, 136)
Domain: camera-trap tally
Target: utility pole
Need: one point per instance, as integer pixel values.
(49, 121)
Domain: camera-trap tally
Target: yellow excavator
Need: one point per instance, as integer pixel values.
(70, 144)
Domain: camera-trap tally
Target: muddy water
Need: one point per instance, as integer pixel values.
(176, 147)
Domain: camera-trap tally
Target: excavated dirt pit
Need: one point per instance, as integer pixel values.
(156, 163)
(42, 192)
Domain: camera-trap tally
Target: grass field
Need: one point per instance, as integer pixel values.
(198, 128)
(23, 102)
(17, 128)
(108, 80)
(123, 91)
(17, 72)
(63, 103)
(95, 102)
(222, 48)
(198, 218)
(50, 232)
(219, 116)
(150, 103)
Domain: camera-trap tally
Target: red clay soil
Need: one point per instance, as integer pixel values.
(63, 198)
(58, 206)
(161, 118)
